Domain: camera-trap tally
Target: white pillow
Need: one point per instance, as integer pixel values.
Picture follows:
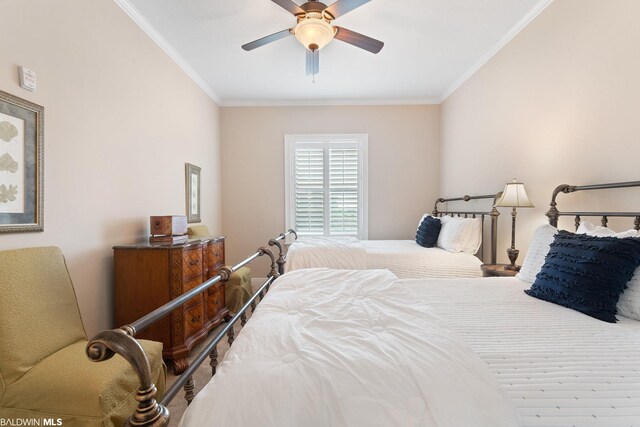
(629, 302)
(460, 234)
(599, 231)
(538, 250)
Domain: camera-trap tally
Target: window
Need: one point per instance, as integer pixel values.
(326, 185)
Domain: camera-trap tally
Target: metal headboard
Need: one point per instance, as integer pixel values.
(493, 213)
(553, 214)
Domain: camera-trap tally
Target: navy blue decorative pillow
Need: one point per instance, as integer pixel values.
(587, 273)
(428, 232)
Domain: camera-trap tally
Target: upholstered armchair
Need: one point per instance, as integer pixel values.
(44, 371)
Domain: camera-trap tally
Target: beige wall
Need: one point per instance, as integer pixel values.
(559, 104)
(403, 166)
(121, 119)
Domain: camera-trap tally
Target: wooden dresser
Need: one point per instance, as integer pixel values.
(148, 276)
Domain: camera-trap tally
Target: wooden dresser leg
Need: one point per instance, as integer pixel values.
(180, 365)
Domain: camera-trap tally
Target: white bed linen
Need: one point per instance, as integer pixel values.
(348, 348)
(560, 367)
(405, 258)
(345, 253)
(408, 260)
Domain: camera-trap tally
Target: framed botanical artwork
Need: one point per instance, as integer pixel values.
(193, 192)
(21, 165)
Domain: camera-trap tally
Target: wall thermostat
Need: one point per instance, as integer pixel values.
(27, 79)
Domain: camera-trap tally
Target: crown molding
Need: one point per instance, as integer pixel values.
(327, 102)
(137, 17)
(526, 19)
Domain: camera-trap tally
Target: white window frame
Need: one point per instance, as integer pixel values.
(327, 141)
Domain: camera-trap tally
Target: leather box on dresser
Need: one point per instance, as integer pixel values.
(148, 276)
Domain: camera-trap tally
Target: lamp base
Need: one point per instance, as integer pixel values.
(513, 256)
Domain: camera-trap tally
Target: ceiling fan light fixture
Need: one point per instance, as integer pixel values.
(314, 33)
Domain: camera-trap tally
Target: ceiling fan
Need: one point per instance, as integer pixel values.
(314, 29)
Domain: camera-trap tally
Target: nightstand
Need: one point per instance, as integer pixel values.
(493, 270)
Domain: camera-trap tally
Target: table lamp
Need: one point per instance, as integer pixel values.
(514, 196)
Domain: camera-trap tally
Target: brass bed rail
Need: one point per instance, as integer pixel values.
(554, 214)
(104, 345)
(493, 214)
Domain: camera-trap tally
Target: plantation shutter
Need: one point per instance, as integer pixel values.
(343, 191)
(309, 184)
(326, 180)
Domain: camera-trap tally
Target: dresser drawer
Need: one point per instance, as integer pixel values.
(187, 287)
(215, 254)
(192, 262)
(193, 319)
(215, 300)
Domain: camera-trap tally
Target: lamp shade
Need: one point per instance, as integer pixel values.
(514, 196)
(314, 33)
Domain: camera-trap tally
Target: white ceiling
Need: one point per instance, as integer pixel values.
(431, 47)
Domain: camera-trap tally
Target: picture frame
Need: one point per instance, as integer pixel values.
(21, 165)
(192, 189)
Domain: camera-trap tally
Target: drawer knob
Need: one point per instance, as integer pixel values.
(195, 319)
(195, 262)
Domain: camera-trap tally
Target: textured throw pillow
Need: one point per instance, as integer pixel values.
(538, 250)
(427, 234)
(629, 303)
(587, 273)
(460, 234)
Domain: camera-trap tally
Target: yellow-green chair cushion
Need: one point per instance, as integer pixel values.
(198, 231)
(38, 310)
(67, 385)
(238, 290)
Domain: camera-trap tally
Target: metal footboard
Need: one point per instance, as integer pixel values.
(105, 344)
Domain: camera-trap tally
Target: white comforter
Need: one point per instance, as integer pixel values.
(348, 348)
(344, 253)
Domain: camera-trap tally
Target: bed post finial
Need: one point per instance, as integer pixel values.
(149, 413)
(281, 252)
(553, 213)
(280, 261)
(435, 207)
(274, 265)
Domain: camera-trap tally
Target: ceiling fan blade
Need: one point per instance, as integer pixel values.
(358, 40)
(267, 39)
(290, 6)
(342, 7)
(313, 62)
